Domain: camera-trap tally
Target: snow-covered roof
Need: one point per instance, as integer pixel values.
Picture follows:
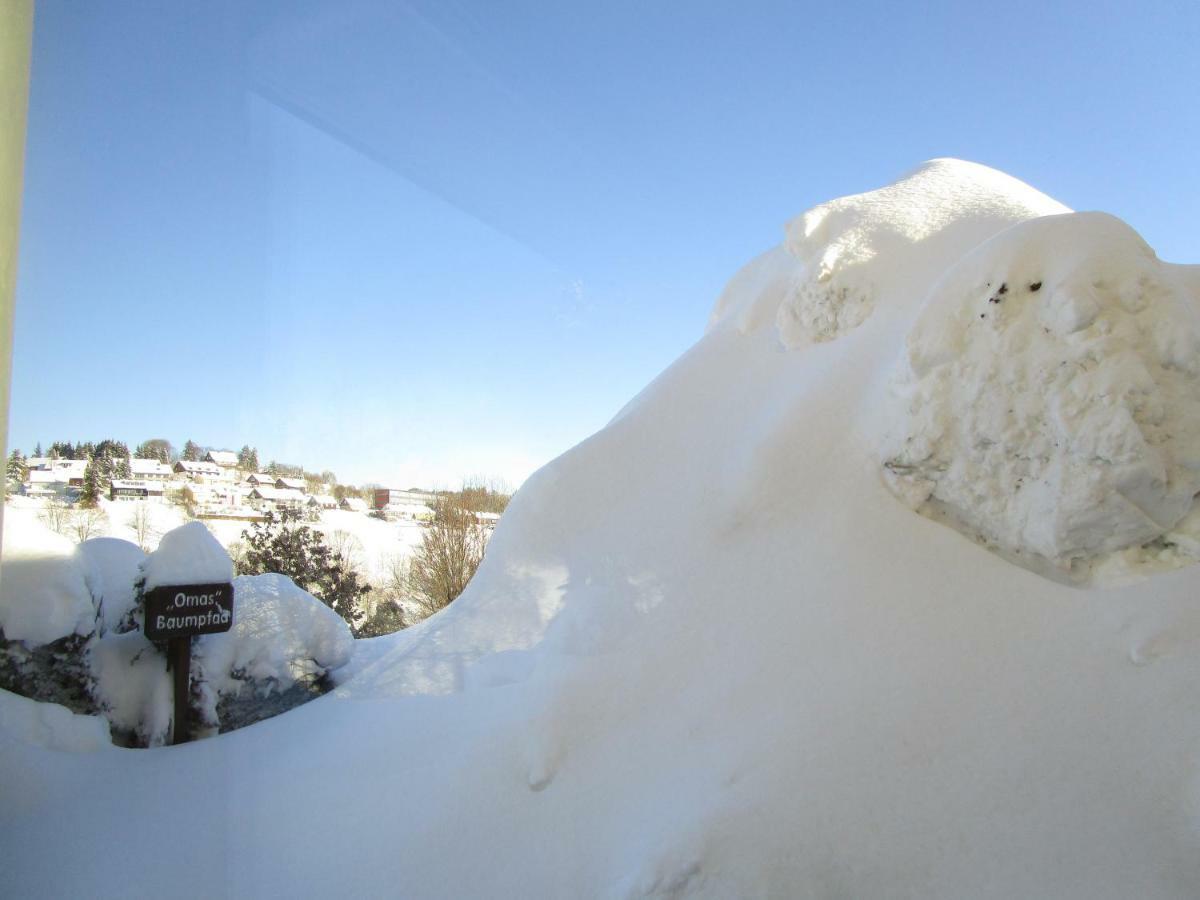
(266, 492)
(148, 467)
(296, 484)
(197, 468)
(222, 457)
(354, 504)
(327, 501)
(260, 478)
(48, 476)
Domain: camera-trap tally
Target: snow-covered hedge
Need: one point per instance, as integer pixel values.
(71, 627)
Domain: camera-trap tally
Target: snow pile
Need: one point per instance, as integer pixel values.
(1052, 396)
(43, 594)
(750, 671)
(133, 687)
(188, 554)
(840, 253)
(281, 634)
(110, 569)
(50, 726)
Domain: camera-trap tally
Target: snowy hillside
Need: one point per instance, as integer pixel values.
(729, 647)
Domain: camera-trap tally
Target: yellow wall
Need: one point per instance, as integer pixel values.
(16, 33)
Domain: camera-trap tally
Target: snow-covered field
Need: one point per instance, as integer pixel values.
(764, 667)
(374, 543)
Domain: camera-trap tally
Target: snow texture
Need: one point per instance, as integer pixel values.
(133, 686)
(708, 654)
(1052, 395)
(50, 726)
(110, 569)
(281, 634)
(188, 554)
(43, 593)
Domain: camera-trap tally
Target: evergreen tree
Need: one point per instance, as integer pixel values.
(84, 450)
(248, 458)
(37, 449)
(93, 488)
(15, 471)
(192, 452)
(155, 448)
(299, 552)
(62, 450)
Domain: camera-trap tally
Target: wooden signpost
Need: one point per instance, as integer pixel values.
(176, 614)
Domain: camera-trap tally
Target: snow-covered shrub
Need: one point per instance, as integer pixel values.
(70, 633)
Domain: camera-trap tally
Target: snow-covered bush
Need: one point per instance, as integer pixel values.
(71, 634)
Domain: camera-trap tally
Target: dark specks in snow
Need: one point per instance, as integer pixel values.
(1003, 288)
(1036, 286)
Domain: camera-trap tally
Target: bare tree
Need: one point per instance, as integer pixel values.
(347, 549)
(450, 552)
(56, 515)
(142, 524)
(87, 521)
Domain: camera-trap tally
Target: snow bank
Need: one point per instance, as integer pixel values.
(281, 634)
(750, 671)
(43, 593)
(50, 726)
(1051, 397)
(840, 254)
(111, 567)
(188, 554)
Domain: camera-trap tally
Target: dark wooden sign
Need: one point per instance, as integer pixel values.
(186, 610)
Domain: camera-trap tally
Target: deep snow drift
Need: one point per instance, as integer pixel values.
(710, 652)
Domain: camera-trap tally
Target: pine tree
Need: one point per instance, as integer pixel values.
(248, 458)
(15, 471)
(155, 448)
(92, 486)
(37, 449)
(192, 452)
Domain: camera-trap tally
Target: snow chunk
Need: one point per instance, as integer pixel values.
(188, 554)
(43, 595)
(51, 726)
(133, 686)
(110, 569)
(849, 246)
(1052, 394)
(281, 634)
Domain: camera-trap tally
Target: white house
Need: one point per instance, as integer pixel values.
(226, 459)
(354, 504)
(323, 501)
(291, 484)
(281, 498)
(149, 469)
(197, 470)
(49, 483)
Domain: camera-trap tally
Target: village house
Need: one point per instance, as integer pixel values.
(226, 459)
(149, 469)
(129, 489)
(280, 498)
(385, 497)
(322, 501)
(198, 471)
(353, 504)
(51, 483)
(291, 484)
(260, 479)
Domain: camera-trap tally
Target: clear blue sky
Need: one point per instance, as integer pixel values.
(415, 242)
